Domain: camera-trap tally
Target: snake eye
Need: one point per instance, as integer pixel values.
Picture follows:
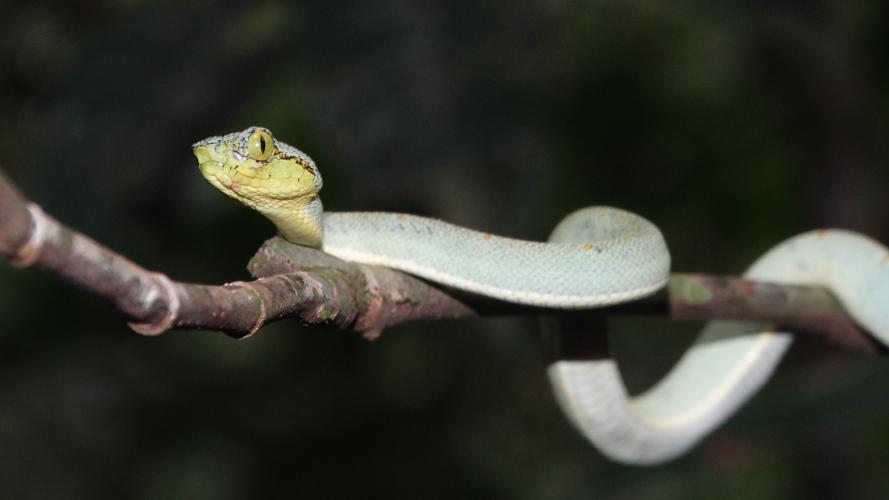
(259, 145)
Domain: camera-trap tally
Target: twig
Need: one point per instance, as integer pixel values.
(318, 289)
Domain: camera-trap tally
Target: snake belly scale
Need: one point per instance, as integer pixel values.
(595, 257)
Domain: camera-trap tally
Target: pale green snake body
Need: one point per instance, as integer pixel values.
(595, 257)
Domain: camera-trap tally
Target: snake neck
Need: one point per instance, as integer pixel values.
(298, 220)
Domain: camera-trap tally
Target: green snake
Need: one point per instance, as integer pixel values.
(595, 257)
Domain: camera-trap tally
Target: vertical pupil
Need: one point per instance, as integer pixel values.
(262, 144)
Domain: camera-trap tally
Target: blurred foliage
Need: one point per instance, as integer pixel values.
(731, 126)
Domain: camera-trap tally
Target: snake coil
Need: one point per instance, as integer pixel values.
(595, 257)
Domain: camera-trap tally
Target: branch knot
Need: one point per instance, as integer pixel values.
(30, 251)
(161, 285)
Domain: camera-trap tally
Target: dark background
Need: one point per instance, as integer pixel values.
(731, 127)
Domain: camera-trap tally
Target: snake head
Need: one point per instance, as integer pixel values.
(268, 175)
(253, 165)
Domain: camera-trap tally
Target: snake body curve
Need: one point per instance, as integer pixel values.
(578, 275)
(595, 257)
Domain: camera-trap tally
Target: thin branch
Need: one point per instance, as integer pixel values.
(798, 309)
(320, 290)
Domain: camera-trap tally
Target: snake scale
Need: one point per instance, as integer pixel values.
(595, 257)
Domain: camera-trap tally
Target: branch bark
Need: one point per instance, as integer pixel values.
(321, 290)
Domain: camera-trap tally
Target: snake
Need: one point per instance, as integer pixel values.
(595, 257)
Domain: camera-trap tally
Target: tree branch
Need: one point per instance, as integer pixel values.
(321, 290)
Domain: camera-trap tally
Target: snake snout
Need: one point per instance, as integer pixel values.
(202, 153)
(211, 167)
